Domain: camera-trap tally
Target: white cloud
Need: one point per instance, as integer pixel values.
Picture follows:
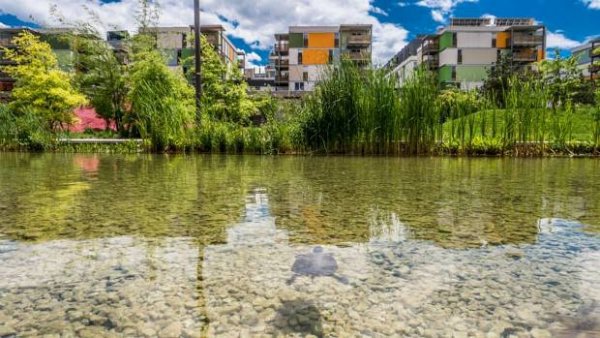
(377, 10)
(440, 9)
(253, 21)
(2, 25)
(560, 41)
(438, 16)
(253, 57)
(594, 4)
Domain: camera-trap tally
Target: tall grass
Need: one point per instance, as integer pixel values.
(596, 123)
(361, 111)
(420, 114)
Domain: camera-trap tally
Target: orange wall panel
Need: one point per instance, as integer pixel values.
(541, 55)
(321, 40)
(315, 56)
(502, 40)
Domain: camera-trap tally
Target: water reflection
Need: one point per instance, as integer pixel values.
(401, 286)
(205, 246)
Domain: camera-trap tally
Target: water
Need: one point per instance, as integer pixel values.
(199, 246)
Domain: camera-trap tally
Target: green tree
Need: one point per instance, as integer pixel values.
(562, 78)
(224, 93)
(41, 87)
(497, 83)
(103, 77)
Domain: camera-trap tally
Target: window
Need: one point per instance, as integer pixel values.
(337, 40)
(494, 43)
(454, 38)
(460, 57)
(305, 77)
(305, 40)
(184, 40)
(454, 73)
(331, 56)
(299, 58)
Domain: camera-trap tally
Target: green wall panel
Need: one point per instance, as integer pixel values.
(296, 40)
(471, 73)
(445, 74)
(446, 40)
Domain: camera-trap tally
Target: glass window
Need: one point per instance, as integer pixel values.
(299, 58)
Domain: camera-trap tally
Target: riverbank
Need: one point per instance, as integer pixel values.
(478, 148)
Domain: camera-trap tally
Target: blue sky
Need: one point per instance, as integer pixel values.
(251, 23)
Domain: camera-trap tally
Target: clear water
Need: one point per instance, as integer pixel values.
(196, 246)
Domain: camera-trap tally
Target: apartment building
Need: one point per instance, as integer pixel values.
(301, 55)
(588, 58)
(462, 53)
(175, 42)
(406, 62)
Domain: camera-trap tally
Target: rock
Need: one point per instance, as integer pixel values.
(172, 330)
(526, 315)
(91, 332)
(147, 331)
(540, 333)
(7, 331)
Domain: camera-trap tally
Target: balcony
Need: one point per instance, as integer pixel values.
(527, 40)
(525, 56)
(282, 78)
(283, 48)
(282, 63)
(431, 63)
(431, 48)
(359, 40)
(357, 56)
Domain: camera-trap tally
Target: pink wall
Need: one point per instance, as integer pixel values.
(86, 118)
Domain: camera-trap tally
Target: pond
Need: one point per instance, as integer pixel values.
(243, 246)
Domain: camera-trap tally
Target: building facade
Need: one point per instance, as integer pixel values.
(462, 53)
(588, 59)
(405, 63)
(176, 44)
(301, 55)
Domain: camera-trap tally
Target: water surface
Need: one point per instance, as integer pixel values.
(198, 246)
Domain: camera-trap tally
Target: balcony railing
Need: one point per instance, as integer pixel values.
(525, 56)
(282, 48)
(282, 63)
(431, 63)
(357, 55)
(282, 78)
(359, 40)
(431, 48)
(527, 40)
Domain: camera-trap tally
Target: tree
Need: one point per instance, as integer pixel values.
(562, 78)
(224, 93)
(497, 82)
(103, 77)
(41, 87)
